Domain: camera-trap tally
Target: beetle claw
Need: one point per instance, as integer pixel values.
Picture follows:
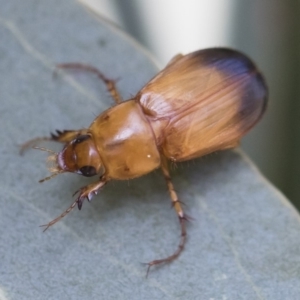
(79, 202)
(90, 196)
(81, 197)
(84, 193)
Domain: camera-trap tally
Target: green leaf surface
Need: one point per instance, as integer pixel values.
(243, 241)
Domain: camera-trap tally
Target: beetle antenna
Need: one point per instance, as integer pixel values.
(45, 149)
(51, 176)
(28, 144)
(51, 158)
(59, 217)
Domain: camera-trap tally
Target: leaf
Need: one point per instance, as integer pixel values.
(243, 241)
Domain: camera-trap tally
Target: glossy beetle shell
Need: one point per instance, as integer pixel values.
(200, 103)
(203, 102)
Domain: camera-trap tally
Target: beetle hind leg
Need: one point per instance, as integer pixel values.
(110, 83)
(181, 215)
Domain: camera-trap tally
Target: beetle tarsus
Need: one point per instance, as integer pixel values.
(179, 249)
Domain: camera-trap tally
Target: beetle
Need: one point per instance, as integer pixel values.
(199, 103)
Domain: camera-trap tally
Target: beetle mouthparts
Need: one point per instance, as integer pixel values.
(52, 164)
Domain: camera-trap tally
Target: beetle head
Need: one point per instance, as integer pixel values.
(80, 156)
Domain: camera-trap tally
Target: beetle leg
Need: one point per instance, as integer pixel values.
(64, 136)
(110, 84)
(182, 218)
(85, 192)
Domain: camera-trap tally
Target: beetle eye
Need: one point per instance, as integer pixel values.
(88, 171)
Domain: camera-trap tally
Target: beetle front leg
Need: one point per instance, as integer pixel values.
(85, 192)
(182, 218)
(64, 136)
(88, 191)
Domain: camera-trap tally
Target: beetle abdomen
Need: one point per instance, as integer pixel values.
(209, 98)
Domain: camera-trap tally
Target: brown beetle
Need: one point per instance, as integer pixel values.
(200, 103)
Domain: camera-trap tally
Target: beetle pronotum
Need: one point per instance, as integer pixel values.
(199, 103)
